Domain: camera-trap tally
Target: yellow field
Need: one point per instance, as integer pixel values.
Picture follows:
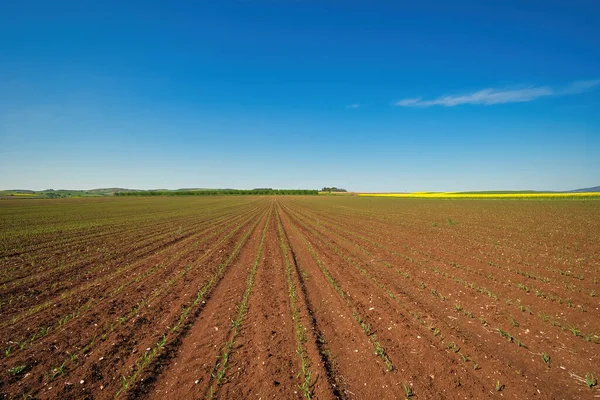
(453, 195)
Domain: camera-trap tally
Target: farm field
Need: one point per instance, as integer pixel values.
(299, 297)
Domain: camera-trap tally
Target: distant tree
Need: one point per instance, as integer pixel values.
(333, 189)
(224, 192)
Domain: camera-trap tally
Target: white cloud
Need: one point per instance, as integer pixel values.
(409, 102)
(580, 87)
(500, 96)
(355, 105)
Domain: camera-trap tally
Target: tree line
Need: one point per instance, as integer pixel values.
(333, 189)
(224, 192)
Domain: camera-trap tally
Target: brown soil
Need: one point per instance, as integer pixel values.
(293, 297)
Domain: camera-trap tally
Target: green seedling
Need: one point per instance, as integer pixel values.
(499, 386)
(546, 358)
(17, 370)
(506, 335)
(58, 370)
(407, 391)
(590, 381)
(454, 347)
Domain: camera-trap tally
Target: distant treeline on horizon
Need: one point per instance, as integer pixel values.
(224, 192)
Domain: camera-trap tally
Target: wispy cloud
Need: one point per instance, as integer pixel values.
(355, 105)
(491, 96)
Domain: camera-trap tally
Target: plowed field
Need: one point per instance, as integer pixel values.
(299, 297)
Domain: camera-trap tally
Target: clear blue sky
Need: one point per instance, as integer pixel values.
(370, 96)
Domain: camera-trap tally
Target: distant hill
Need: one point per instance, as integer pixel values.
(103, 192)
(62, 193)
(586, 190)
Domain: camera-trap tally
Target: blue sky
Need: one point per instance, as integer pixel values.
(370, 96)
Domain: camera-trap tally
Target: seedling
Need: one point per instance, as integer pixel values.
(17, 370)
(506, 335)
(58, 370)
(381, 353)
(590, 381)
(72, 356)
(523, 287)
(499, 386)
(454, 347)
(407, 391)
(162, 342)
(546, 358)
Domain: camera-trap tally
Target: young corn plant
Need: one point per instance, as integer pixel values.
(407, 391)
(590, 380)
(506, 335)
(17, 370)
(499, 386)
(546, 358)
(58, 370)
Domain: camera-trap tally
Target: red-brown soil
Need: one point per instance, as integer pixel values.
(292, 297)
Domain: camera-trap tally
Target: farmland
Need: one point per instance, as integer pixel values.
(299, 297)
